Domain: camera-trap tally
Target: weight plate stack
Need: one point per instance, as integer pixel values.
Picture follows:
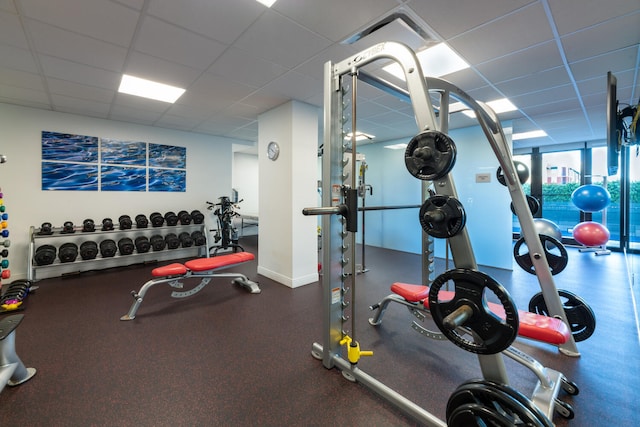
(88, 250)
(157, 242)
(68, 252)
(45, 255)
(142, 244)
(126, 246)
(108, 248)
(172, 241)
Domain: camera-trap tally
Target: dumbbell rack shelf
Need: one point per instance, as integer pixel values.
(57, 268)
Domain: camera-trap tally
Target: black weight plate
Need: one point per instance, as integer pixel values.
(472, 414)
(491, 333)
(45, 255)
(430, 155)
(88, 250)
(442, 216)
(555, 252)
(534, 205)
(68, 252)
(582, 319)
(521, 169)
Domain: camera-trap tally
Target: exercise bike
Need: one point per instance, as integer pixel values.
(226, 235)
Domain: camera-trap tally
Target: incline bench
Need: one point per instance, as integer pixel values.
(203, 268)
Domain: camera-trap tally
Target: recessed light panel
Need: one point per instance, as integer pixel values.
(436, 61)
(149, 89)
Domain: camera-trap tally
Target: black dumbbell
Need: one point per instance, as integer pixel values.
(198, 238)
(88, 225)
(171, 218)
(67, 228)
(68, 252)
(142, 244)
(141, 221)
(107, 224)
(172, 241)
(4, 253)
(45, 255)
(45, 229)
(197, 217)
(108, 248)
(157, 242)
(185, 239)
(125, 222)
(88, 250)
(184, 217)
(157, 220)
(126, 246)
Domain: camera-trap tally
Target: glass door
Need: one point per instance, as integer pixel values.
(561, 175)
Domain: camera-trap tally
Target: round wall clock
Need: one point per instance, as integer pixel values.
(273, 150)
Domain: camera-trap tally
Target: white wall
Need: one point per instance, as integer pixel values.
(245, 181)
(209, 164)
(486, 204)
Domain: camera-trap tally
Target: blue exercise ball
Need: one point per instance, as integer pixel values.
(591, 198)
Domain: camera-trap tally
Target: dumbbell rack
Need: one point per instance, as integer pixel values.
(57, 268)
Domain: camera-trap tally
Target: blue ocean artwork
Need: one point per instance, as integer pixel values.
(167, 180)
(69, 176)
(115, 151)
(69, 147)
(119, 178)
(167, 156)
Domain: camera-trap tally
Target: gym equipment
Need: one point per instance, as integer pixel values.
(125, 222)
(142, 244)
(88, 226)
(172, 241)
(225, 211)
(14, 295)
(88, 250)
(430, 155)
(184, 218)
(12, 370)
(157, 220)
(549, 228)
(6, 243)
(126, 246)
(45, 229)
(185, 239)
(204, 269)
(157, 242)
(68, 252)
(590, 233)
(171, 218)
(107, 224)
(198, 238)
(554, 251)
(442, 216)
(68, 228)
(45, 255)
(582, 319)
(141, 221)
(340, 347)
(521, 169)
(534, 205)
(197, 216)
(591, 198)
(108, 248)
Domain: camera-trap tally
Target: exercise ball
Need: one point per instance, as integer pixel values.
(591, 198)
(591, 233)
(548, 228)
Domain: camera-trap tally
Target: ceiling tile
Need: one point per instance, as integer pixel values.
(278, 39)
(8, 5)
(17, 59)
(82, 74)
(103, 20)
(162, 40)
(133, 115)
(535, 82)
(294, 86)
(28, 94)
(79, 91)
(222, 22)
(568, 17)
(597, 66)
(21, 79)
(73, 105)
(238, 65)
(63, 44)
(11, 30)
(160, 70)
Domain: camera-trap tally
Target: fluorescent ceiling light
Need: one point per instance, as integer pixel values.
(359, 136)
(400, 146)
(498, 106)
(149, 89)
(267, 3)
(527, 135)
(436, 61)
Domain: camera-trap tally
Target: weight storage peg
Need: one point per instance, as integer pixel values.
(430, 155)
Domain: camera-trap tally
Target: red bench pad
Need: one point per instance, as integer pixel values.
(206, 264)
(174, 269)
(532, 325)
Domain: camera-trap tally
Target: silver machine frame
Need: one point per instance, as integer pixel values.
(12, 370)
(339, 173)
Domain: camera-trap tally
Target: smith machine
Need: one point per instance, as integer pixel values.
(430, 157)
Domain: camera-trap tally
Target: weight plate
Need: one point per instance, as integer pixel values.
(430, 155)
(487, 401)
(555, 252)
(581, 317)
(534, 205)
(442, 216)
(491, 334)
(521, 169)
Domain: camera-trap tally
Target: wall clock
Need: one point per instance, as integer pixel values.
(273, 150)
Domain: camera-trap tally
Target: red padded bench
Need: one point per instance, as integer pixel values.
(202, 264)
(534, 326)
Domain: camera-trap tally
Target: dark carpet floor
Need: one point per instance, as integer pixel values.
(224, 357)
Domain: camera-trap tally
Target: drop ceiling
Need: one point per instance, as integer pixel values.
(238, 59)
